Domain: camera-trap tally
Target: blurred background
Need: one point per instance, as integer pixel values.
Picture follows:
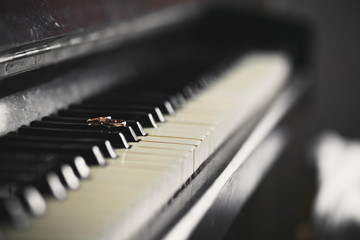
(336, 57)
(283, 207)
(336, 60)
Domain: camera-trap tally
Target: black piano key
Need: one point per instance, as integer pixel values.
(203, 83)
(48, 182)
(10, 164)
(146, 119)
(128, 132)
(179, 90)
(80, 167)
(90, 153)
(32, 199)
(13, 166)
(53, 118)
(12, 210)
(188, 92)
(136, 125)
(105, 146)
(164, 105)
(176, 99)
(78, 164)
(154, 96)
(180, 98)
(182, 92)
(68, 177)
(155, 111)
(116, 139)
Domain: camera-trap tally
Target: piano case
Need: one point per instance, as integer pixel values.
(58, 54)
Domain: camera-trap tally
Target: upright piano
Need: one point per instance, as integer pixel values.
(141, 119)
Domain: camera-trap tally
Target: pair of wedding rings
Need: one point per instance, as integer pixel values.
(107, 122)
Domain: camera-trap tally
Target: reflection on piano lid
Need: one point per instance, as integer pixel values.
(184, 94)
(37, 35)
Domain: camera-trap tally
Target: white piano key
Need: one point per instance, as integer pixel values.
(204, 146)
(183, 166)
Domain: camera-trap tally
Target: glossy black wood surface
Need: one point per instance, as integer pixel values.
(24, 22)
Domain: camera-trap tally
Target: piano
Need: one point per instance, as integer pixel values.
(146, 120)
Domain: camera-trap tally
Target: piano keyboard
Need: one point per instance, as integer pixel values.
(134, 170)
